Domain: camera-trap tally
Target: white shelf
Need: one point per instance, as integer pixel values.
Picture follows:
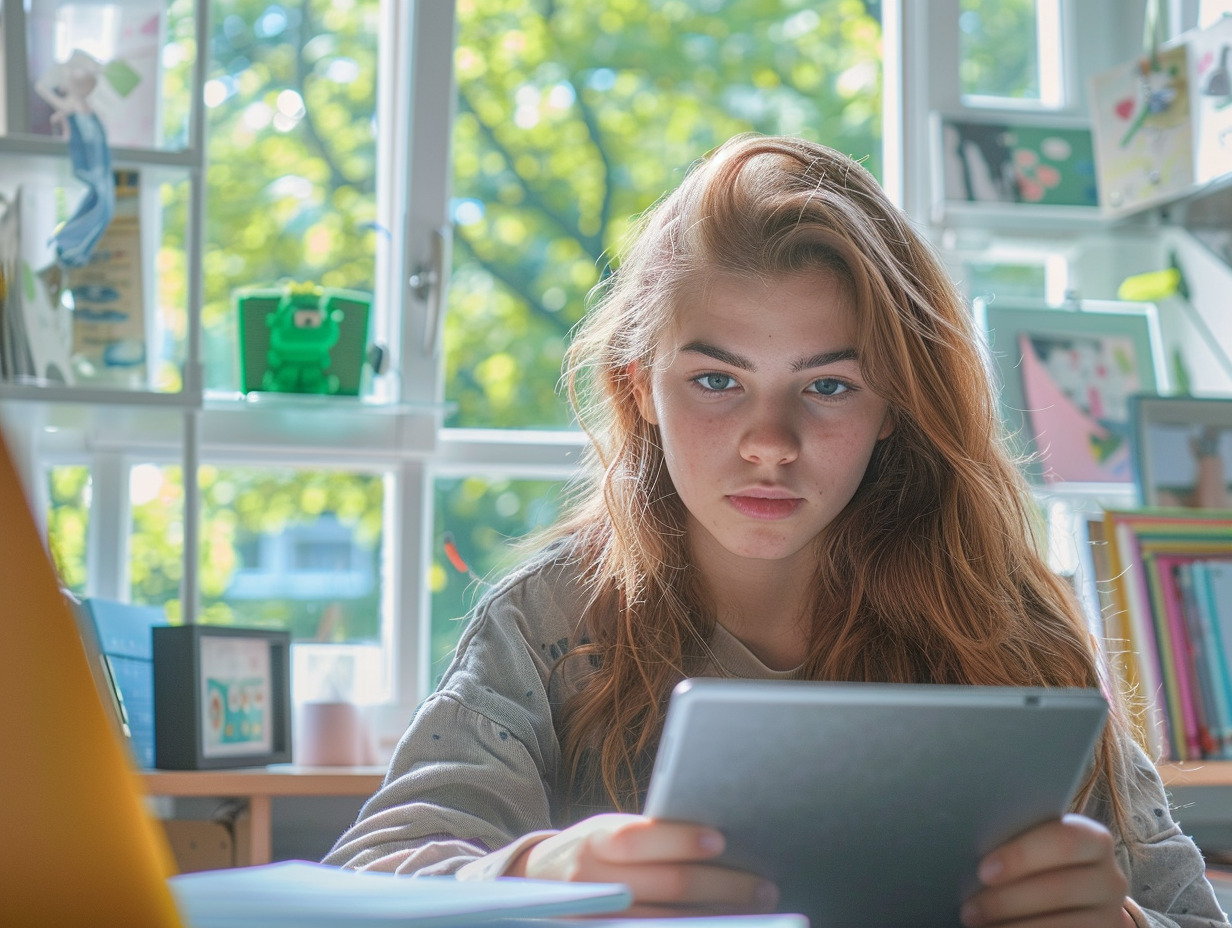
(45, 162)
(103, 396)
(85, 418)
(43, 147)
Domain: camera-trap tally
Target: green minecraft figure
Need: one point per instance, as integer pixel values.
(303, 329)
(302, 338)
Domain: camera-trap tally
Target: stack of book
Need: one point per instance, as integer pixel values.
(1168, 624)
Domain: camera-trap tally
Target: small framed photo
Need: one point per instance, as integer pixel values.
(1066, 377)
(222, 697)
(1182, 450)
(1017, 169)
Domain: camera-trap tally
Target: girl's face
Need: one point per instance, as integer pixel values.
(766, 423)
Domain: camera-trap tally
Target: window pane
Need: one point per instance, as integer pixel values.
(157, 545)
(484, 518)
(574, 116)
(291, 194)
(68, 523)
(998, 45)
(280, 548)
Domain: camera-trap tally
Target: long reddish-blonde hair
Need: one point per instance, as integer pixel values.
(931, 573)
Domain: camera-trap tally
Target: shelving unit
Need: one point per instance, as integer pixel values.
(27, 157)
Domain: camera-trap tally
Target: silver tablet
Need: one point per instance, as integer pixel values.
(870, 804)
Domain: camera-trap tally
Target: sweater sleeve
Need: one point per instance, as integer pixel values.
(472, 773)
(1167, 875)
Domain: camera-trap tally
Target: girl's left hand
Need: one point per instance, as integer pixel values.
(1057, 875)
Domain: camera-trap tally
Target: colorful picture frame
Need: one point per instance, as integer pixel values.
(1182, 451)
(222, 697)
(1019, 168)
(1066, 377)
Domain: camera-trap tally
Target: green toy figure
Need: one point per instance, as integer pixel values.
(302, 338)
(302, 332)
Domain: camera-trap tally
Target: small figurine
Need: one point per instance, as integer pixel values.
(67, 87)
(301, 338)
(303, 329)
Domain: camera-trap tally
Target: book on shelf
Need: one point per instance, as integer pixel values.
(1169, 626)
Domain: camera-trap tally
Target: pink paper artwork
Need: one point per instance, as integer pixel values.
(1076, 391)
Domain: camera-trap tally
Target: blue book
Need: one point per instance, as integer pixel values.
(124, 641)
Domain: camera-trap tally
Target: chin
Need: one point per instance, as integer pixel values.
(766, 551)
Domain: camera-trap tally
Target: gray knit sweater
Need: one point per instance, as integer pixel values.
(471, 782)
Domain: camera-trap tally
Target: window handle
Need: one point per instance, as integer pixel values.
(427, 285)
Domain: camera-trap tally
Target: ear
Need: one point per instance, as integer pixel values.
(639, 381)
(887, 425)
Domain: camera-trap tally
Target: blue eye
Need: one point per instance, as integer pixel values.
(828, 387)
(715, 383)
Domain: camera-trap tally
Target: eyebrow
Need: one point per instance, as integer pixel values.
(744, 364)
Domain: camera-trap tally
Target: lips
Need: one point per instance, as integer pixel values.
(765, 507)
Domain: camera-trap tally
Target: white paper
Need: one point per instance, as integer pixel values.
(309, 894)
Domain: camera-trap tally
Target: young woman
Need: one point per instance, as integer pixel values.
(798, 474)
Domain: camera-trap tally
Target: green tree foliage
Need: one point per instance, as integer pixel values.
(291, 182)
(575, 116)
(997, 41)
(239, 507)
(67, 523)
(488, 521)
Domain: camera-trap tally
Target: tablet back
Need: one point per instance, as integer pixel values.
(870, 804)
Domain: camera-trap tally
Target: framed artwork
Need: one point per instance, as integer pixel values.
(222, 697)
(1144, 145)
(1066, 377)
(1210, 57)
(1024, 167)
(1182, 450)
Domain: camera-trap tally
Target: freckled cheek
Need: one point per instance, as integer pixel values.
(839, 455)
(692, 444)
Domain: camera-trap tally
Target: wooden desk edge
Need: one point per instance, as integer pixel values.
(1196, 773)
(265, 781)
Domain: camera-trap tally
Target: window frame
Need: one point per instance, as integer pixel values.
(405, 436)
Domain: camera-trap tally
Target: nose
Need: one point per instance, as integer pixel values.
(769, 439)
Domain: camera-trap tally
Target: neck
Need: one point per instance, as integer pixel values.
(764, 603)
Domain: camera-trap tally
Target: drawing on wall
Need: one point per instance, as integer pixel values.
(1000, 162)
(1143, 135)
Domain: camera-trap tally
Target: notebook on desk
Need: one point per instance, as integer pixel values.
(79, 845)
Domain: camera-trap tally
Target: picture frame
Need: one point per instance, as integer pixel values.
(222, 697)
(1182, 450)
(1012, 169)
(1065, 378)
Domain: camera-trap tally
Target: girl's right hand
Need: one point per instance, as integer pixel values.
(665, 864)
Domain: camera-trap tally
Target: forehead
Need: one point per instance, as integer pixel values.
(813, 307)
